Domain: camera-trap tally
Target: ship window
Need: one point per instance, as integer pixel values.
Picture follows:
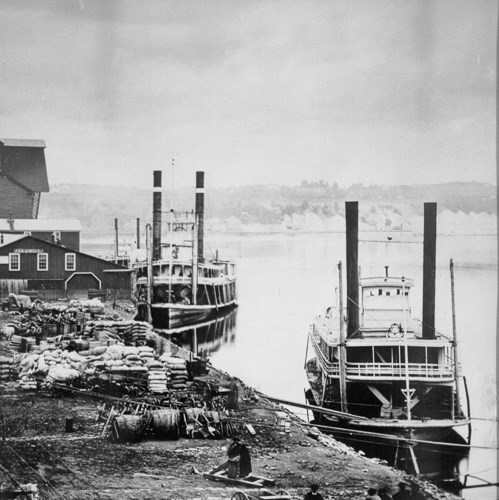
(387, 293)
(380, 291)
(406, 292)
(398, 291)
(14, 262)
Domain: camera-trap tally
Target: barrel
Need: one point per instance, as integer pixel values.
(128, 428)
(165, 423)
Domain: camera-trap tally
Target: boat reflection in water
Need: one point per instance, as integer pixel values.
(205, 338)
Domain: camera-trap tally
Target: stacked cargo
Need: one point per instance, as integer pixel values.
(5, 368)
(157, 379)
(146, 354)
(177, 372)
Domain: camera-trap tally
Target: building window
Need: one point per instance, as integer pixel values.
(43, 261)
(70, 262)
(14, 262)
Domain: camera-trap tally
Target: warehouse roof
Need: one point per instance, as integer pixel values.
(18, 225)
(24, 161)
(24, 143)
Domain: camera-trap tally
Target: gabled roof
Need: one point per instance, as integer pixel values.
(24, 143)
(19, 225)
(23, 161)
(112, 265)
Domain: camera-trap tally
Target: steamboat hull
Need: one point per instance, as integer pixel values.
(167, 316)
(428, 448)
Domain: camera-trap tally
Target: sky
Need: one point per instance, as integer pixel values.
(251, 92)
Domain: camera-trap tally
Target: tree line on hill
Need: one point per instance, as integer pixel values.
(98, 206)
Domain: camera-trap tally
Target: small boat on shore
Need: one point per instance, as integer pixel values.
(391, 381)
(179, 284)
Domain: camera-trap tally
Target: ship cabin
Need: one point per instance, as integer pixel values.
(215, 284)
(385, 307)
(387, 332)
(182, 271)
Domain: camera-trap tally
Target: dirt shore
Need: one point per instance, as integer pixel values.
(35, 448)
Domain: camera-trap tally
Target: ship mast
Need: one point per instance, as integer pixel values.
(341, 345)
(454, 337)
(195, 262)
(407, 391)
(170, 264)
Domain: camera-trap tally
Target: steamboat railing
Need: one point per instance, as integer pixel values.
(330, 368)
(382, 371)
(426, 371)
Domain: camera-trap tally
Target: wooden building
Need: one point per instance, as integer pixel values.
(23, 177)
(65, 232)
(55, 271)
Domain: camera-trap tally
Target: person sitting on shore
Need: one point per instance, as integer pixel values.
(313, 494)
(244, 460)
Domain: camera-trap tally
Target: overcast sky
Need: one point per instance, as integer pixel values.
(374, 91)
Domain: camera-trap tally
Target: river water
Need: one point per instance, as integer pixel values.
(285, 280)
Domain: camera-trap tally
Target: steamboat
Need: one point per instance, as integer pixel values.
(387, 383)
(177, 284)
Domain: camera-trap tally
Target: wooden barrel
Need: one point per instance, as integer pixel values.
(165, 423)
(128, 428)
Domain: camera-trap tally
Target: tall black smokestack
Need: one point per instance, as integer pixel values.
(352, 220)
(200, 213)
(156, 216)
(138, 232)
(429, 269)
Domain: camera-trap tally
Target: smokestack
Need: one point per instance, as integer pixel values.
(116, 240)
(352, 220)
(156, 216)
(429, 269)
(138, 233)
(199, 213)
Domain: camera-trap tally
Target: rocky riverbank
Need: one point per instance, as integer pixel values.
(80, 461)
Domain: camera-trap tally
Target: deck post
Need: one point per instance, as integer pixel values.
(414, 459)
(341, 346)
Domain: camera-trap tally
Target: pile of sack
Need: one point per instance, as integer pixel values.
(176, 369)
(5, 368)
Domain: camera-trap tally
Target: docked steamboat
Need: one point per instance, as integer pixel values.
(381, 380)
(178, 284)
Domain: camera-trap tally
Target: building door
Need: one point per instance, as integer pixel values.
(79, 284)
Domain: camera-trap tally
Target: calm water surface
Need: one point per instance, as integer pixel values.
(284, 281)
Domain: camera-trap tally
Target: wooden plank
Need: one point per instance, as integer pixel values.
(250, 481)
(250, 429)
